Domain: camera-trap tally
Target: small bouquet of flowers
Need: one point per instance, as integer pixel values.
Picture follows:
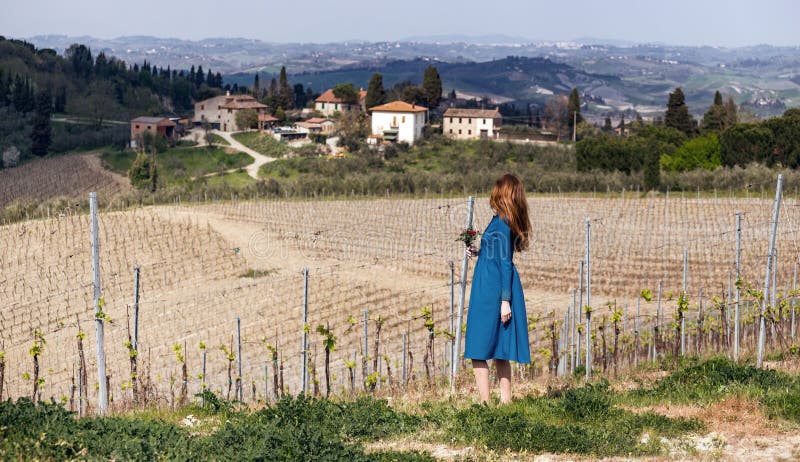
(468, 236)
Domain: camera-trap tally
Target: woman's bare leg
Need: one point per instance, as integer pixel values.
(504, 374)
(481, 369)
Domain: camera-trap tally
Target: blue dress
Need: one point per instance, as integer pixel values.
(496, 279)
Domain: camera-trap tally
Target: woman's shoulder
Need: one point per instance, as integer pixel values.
(499, 222)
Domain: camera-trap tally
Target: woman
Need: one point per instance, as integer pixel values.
(497, 326)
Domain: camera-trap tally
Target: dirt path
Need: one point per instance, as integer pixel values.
(96, 163)
(259, 159)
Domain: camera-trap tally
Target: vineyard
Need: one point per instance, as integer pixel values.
(378, 282)
(69, 176)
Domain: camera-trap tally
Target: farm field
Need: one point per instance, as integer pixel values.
(70, 176)
(204, 265)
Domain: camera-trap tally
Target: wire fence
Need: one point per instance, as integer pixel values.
(206, 264)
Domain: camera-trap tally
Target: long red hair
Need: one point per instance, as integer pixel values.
(509, 202)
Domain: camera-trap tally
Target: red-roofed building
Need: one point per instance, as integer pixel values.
(399, 121)
(155, 125)
(329, 104)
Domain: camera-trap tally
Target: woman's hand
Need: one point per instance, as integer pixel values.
(505, 311)
(472, 251)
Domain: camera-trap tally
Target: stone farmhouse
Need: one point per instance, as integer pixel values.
(220, 111)
(468, 124)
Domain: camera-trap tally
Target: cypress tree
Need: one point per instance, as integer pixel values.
(652, 167)
(199, 78)
(256, 86)
(285, 91)
(607, 125)
(376, 95)
(677, 115)
(432, 87)
(41, 135)
(715, 117)
(574, 107)
(731, 115)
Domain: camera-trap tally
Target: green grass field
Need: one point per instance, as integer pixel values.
(262, 143)
(218, 140)
(183, 163)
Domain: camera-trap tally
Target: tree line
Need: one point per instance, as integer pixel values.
(37, 83)
(679, 142)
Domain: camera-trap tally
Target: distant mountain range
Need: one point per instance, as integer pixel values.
(621, 75)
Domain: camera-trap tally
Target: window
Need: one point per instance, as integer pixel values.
(219, 107)
(469, 132)
(484, 121)
(451, 121)
(451, 130)
(394, 121)
(202, 107)
(403, 120)
(336, 107)
(229, 111)
(323, 105)
(459, 131)
(137, 126)
(148, 127)
(469, 121)
(459, 120)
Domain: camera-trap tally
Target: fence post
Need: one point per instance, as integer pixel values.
(205, 379)
(794, 296)
(657, 332)
(405, 346)
(453, 355)
(683, 315)
(771, 251)
(239, 379)
(366, 343)
(304, 369)
(588, 334)
(738, 284)
(102, 401)
(636, 333)
(266, 384)
(579, 309)
(573, 333)
(136, 308)
(464, 263)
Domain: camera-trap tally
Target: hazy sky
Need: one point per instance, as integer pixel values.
(685, 22)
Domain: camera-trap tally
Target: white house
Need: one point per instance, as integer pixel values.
(466, 124)
(329, 104)
(399, 121)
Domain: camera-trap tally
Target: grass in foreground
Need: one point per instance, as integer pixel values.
(586, 420)
(707, 381)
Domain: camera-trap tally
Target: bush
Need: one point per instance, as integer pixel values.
(700, 152)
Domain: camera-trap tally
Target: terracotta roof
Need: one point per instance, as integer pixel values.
(154, 120)
(398, 106)
(308, 125)
(317, 120)
(329, 97)
(474, 113)
(266, 118)
(243, 103)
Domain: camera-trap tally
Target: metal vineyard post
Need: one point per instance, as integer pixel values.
(770, 252)
(464, 262)
(102, 400)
